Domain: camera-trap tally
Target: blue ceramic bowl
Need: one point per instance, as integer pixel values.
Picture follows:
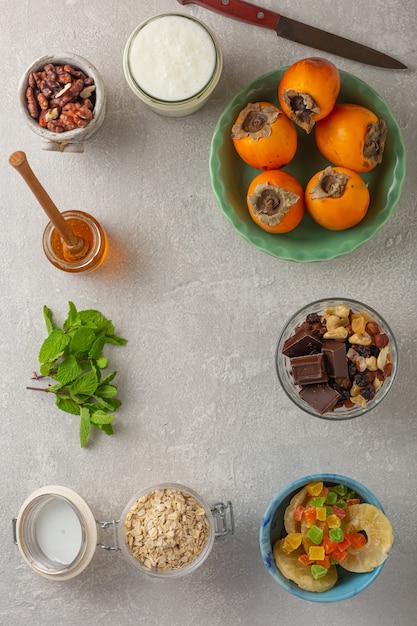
(349, 584)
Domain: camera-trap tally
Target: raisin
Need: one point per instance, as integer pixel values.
(313, 318)
(363, 351)
(368, 392)
(360, 379)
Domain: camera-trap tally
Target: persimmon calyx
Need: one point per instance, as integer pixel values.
(255, 120)
(330, 184)
(270, 203)
(375, 141)
(303, 108)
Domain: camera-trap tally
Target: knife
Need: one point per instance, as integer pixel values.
(299, 32)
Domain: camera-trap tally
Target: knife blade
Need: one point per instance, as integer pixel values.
(299, 32)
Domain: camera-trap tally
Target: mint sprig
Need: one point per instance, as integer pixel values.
(73, 357)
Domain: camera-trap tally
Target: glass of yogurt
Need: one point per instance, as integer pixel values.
(173, 63)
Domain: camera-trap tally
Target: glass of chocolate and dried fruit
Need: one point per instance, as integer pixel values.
(336, 359)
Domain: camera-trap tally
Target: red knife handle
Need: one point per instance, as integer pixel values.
(243, 11)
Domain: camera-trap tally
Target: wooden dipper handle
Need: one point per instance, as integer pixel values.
(19, 161)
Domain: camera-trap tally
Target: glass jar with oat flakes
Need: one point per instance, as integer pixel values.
(165, 531)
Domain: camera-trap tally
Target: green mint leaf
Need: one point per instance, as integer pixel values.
(73, 318)
(45, 368)
(106, 391)
(84, 385)
(96, 348)
(100, 417)
(47, 315)
(66, 404)
(53, 346)
(115, 340)
(95, 319)
(102, 404)
(82, 340)
(85, 426)
(102, 362)
(107, 379)
(68, 370)
(106, 428)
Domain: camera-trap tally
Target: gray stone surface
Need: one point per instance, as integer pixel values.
(201, 309)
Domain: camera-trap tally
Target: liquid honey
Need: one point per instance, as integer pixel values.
(87, 228)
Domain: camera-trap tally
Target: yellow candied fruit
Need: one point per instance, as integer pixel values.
(291, 542)
(316, 553)
(321, 513)
(333, 521)
(315, 489)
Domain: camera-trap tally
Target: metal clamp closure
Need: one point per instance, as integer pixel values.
(224, 520)
(104, 526)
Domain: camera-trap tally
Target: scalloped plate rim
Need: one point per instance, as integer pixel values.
(261, 239)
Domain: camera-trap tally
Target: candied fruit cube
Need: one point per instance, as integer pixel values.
(304, 560)
(310, 515)
(321, 513)
(318, 571)
(336, 534)
(315, 534)
(314, 489)
(339, 512)
(291, 542)
(333, 521)
(358, 540)
(328, 545)
(298, 515)
(316, 553)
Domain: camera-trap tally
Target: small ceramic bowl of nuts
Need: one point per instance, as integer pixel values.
(63, 101)
(168, 531)
(336, 358)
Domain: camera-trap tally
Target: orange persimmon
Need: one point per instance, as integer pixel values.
(264, 137)
(337, 198)
(352, 136)
(308, 91)
(275, 201)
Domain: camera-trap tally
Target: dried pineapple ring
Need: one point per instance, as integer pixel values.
(291, 568)
(378, 529)
(300, 499)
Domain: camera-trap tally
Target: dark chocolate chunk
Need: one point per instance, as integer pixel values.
(335, 358)
(309, 369)
(302, 342)
(320, 397)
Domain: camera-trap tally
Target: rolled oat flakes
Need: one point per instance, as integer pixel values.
(166, 529)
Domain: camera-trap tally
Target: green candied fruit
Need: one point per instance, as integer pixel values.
(350, 494)
(329, 511)
(315, 534)
(317, 501)
(336, 534)
(341, 504)
(331, 497)
(318, 571)
(340, 489)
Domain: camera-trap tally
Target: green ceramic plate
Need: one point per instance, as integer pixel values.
(230, 177)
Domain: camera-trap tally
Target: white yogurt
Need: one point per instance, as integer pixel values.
(173, 63)
(172, 58)
(59, 532)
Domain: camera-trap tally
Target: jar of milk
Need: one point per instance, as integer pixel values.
(173, 63)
